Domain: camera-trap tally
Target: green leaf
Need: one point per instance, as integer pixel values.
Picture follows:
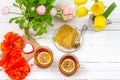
(31, 1)
(21, 24)
(109, 10)
(42, 2)
(35, 26)
(15, 5)
(48, 19)
(25, 3)
(30, 23)
(50, 23)
(19, 1)
(41, 31)
(50, 2)
(17, 21)
(13, 19)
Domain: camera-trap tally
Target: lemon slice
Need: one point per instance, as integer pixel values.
(44, 58)
(68, 65)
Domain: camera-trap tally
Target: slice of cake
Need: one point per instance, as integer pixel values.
(66, 36)
(62, 33)
(70, 39)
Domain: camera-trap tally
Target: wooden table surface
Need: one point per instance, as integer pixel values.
(99, 56)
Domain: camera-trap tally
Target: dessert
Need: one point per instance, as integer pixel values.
(43, 57)
(66, 36)
(68, 64)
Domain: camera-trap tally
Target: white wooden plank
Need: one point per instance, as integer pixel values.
(99, 55)
(5, 18)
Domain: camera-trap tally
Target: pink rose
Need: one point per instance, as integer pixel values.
(41, 9)
(5, 10)
(67, 9)
(53, 12)
(63, 7)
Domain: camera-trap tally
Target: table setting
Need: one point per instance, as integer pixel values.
(59, 40)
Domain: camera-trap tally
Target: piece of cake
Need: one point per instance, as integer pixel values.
(62, 33)
(70, 39)
(66, 36)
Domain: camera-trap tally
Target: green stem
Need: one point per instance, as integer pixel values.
(109, 10)
(27, 33)
(15, 13)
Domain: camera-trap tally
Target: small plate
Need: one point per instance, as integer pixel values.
(63, 49)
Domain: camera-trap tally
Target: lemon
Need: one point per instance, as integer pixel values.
(68, 65)
(44, 58)
(80, 2)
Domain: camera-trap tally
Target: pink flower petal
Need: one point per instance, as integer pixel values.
(66, 11)
(41, 9)
(5, 10)
(63, 7)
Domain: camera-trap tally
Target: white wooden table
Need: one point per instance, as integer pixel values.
(99, 55)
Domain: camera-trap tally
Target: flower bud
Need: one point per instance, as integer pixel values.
(5, 10)
(53, 12)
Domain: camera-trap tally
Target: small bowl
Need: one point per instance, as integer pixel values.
(70, 57)
(40, 50)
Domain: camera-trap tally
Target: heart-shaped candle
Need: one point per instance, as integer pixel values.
(28, 48)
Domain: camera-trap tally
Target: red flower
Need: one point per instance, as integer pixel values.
(12, 41)
(12, 61)
(19, 70)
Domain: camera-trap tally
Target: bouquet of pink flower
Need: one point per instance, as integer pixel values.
(35, 14)
(65, 12)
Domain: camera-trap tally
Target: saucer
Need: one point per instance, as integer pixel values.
(63, 49)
